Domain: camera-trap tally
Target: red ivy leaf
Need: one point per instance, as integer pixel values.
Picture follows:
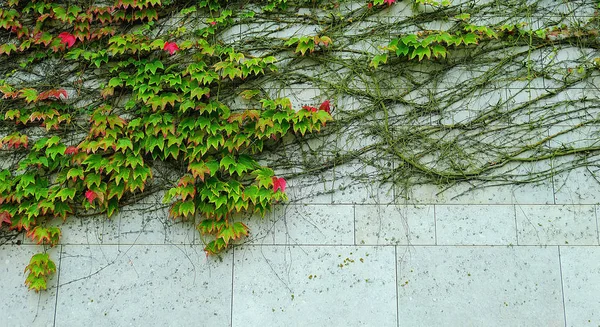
(5, 218)
(325, 106)
(71, 150)
(67, 38)
(90, 195)
(278, 184)
(389, 2)
(171, 47)
(52, 93)
(309, 108)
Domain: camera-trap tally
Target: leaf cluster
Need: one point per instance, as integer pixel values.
(157, 101)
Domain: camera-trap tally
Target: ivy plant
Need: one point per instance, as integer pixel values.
(157, 101)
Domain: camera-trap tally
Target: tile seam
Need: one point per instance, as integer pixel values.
(232, 283)
(597, 226)
(396, 287)
(407, 245)
(562, 287)
(516, 225)
(354, 223)
(435, 225)
(57, 285)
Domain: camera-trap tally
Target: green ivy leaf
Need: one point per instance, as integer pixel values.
(403, 50)
(66, 193)
(469, 38)
(210, 226)
(74, 173)
(227, 161)
(183, 209)
(153, 66)
(199, 92)
(215, 246)
(446, 38)
(36, 283)
(116, 190)
(439, 51)
(112, 207)
(378, 59)
(115, 82)
(215, 141)
(421, 52)
(233, 232)
(61, 209)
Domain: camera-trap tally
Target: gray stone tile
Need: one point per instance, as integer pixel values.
(349, 103)
(149, 223)
(86, 230)
(311, 151)
(310, 189)
(142, 285)
(314, 286)
(315, 224)
(300, 94)
(569, 137)
(231, 34)
(11, 237)
(261, 229)
(111, 231)
(19, 306)
(578, 186)
(463, 110)
(563, 63)
(355, 137)
(360, 182)
(570, 107)
(465, 193)
(581, 284)
(351, 190)
(557, 225)
(475, 225)
(395, 224)
(479, 286)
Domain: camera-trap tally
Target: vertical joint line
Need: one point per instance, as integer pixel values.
(435, 224)
(57, 284)
(232, 276)
(396, 286)
(562, 287)
(516, 224)
(597, 226)
(354, 223)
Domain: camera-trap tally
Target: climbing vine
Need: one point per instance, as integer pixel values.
(106, 102)
(157, 100)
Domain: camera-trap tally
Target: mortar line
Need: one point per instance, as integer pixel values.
(451, 204)
(328, 245)
(443, 88)
(396, 286)
(562, 287)
(516, 224)
(354, 223)
(57, 285)
(232, 275)
(597, 229)
(435, 223)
